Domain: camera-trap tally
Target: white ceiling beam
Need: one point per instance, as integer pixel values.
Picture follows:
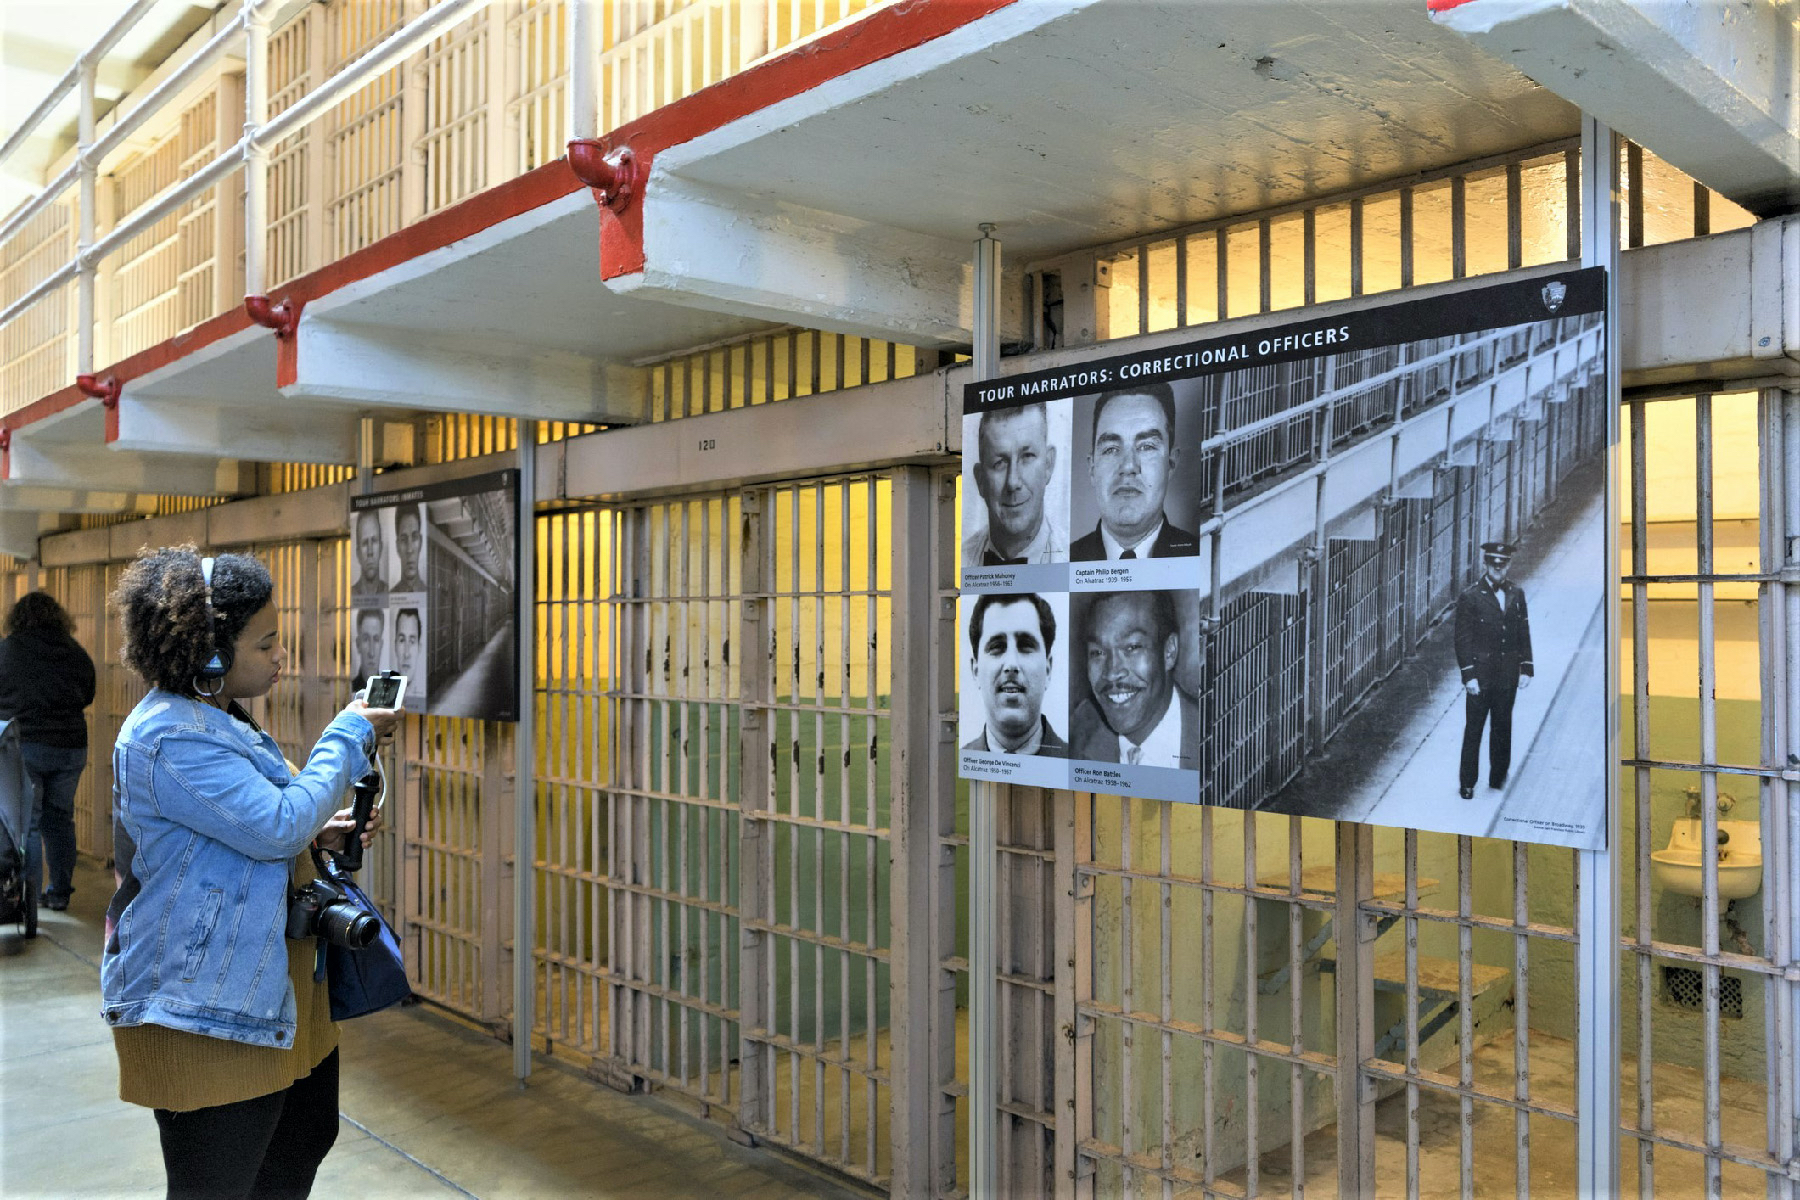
(16, 497)
(273, 433)
(1708, 87)
(725, 252)
(83, 468)
(366, 366)
(19, 533)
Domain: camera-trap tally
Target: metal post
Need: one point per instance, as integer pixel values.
(1780, 455)
(1597, 901)
(984, 802)
(256, 156)
(915, 707)
(584, 67)
(87, 272)
(525, 770)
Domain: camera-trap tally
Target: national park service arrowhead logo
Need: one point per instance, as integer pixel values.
(1554, 293)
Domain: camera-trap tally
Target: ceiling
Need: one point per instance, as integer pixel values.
(1074, 123)
(41, 39)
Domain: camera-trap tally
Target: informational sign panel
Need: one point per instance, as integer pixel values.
(1350, 567)
(432, 594)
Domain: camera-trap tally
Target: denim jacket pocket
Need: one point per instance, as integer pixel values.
(204, 924)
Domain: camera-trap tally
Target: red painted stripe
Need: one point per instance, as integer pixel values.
(500, 203)
(1438, 6)
(870, 39)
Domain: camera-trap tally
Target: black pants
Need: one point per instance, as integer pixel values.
(267, 1147)
(1497, 702)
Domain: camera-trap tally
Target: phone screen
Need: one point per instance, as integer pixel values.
(385, 691)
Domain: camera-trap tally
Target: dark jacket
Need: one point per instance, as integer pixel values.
(1492, 646)
(46, 679)
(1090, 737)
(1170, 543)
(1051, 746)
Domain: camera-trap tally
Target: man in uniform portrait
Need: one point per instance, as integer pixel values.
(409, 539)
(1136, 713)
(371, 551)
(1012, 470)
(1011, 640)
(1132, 455)
(1493, 649)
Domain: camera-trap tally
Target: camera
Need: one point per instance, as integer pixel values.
(322, 909)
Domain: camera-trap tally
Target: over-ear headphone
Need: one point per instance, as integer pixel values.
(216, 667)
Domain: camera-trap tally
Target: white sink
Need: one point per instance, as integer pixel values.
(1677, 866)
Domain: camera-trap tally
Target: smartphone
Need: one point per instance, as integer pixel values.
(386, 690)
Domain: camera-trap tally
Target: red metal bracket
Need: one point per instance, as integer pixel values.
(282, 317)
(614, 174)
(106, 391)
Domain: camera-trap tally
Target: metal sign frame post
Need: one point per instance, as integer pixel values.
(984, 800)
(1597, 871)
(525, 756)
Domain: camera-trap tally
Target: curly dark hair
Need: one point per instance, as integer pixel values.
(39, 612)
(161, 602)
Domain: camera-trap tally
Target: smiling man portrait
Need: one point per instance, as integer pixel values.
(1136, 713)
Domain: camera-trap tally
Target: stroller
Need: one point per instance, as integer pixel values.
(18, 892)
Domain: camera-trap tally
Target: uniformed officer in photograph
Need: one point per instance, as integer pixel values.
(1493, 648)
(1011, 639)
(1129, 464)
(1136, 713)
(1015, 461)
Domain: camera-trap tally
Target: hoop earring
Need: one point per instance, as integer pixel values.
(219, 686)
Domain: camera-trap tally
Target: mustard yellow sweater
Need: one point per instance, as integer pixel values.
(168, 1068)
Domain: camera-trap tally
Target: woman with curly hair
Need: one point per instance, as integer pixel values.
(219, 1021)
(46, 680)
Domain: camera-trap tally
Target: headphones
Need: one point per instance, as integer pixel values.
(214, 670)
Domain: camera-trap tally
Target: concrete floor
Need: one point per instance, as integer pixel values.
(429, 1106)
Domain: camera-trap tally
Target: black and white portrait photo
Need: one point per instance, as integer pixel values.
(368, 643)
(1139, 487)
(1015, 685)
(1130, 705)
(370, 534)
(407, 576)
(1016, 467)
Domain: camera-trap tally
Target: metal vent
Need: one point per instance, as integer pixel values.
(1685, 987)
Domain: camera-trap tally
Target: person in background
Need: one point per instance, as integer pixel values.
(218, 1020)
(46, 680)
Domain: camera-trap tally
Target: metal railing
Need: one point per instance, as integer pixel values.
(471, 92)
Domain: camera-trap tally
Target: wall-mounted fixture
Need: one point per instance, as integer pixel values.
(1678, 866)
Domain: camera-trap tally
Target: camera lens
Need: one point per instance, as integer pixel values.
(348, 925)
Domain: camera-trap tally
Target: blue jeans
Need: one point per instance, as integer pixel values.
(54, 770)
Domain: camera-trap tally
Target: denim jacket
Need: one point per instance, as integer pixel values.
(212, 818)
